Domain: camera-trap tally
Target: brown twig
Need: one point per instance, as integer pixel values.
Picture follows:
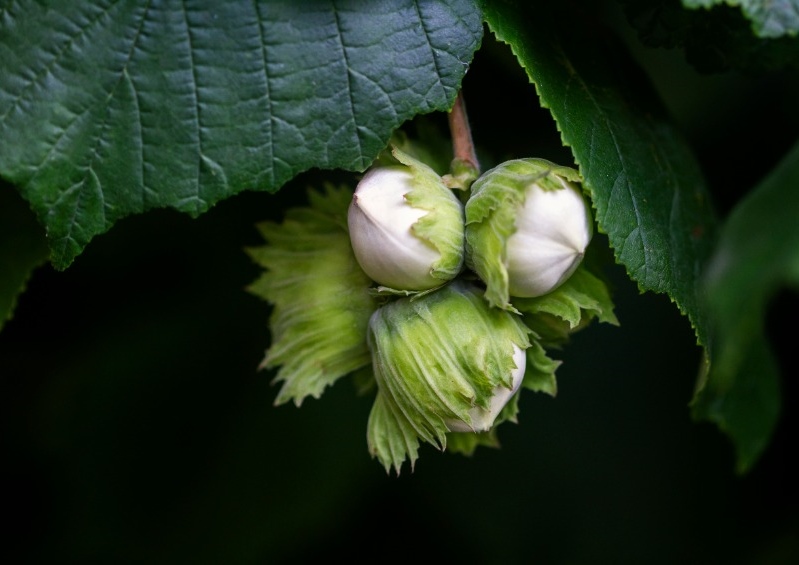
(462, 144)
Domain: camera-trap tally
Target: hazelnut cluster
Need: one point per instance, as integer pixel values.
(445, 301)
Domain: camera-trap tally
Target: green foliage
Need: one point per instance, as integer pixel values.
(540, 375)
(581, 299)
(320, 296)
(437, 357)
(757, 255)
(110, 109)
(135, 426)
(647, 189)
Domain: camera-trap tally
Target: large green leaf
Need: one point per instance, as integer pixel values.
(769, 18)
(757, 255)
(651, 201)
(646, 186)
(110, 108)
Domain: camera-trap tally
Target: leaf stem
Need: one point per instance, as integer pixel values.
(464, 169)
(462, 144)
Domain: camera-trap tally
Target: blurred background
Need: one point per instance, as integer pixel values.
(137, 428)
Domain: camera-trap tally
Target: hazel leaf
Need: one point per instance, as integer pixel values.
(109, 109)
(645, 184)
(757, 256)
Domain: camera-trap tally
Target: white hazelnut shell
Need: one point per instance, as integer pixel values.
(380, 221)
(553, 228)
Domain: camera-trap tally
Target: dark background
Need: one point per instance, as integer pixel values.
(136, 427)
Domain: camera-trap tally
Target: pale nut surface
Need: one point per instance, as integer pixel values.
(553, 228)
(380, 221)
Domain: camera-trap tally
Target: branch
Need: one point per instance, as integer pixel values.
(465, 167)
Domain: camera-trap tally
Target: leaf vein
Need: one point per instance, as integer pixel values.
(433, 54)
(137, 100)
(636, 206)
(268, 90)
(93, 153)
(345, 56)
(197, 201)
(39, 168)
